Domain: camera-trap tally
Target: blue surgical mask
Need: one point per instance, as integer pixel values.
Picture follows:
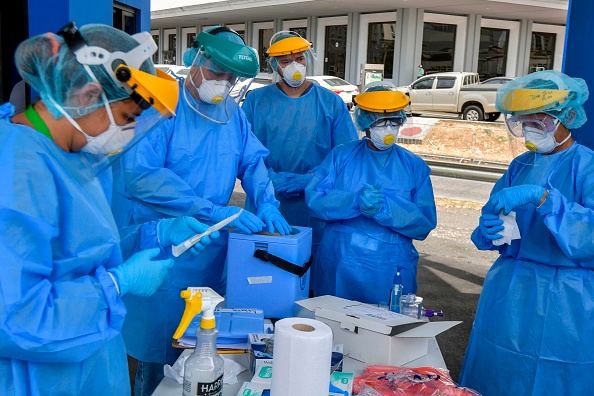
(384, 137)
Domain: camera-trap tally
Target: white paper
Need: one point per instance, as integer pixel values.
(176, 372)
(510, 229)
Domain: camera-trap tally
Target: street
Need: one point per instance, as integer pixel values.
(450, 270)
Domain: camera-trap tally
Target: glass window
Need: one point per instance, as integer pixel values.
(241, 33)
(190, 39)
(156, 54)
(439, 41)
(124, 18)
(380, 46)
(263, 43)
(493, 52)
(542, 51)
(335, 51)
(169, 55)
(426, 83)
(302, 31)
(446, 82)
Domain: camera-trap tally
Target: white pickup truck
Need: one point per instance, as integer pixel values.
(453, 92)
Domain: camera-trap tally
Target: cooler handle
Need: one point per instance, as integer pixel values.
(283, 264)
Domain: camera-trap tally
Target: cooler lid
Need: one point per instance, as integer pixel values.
(297, 235)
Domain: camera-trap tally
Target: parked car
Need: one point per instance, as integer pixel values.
(342, 88)
(497, 80)
(453, 92)
(174, 70)
(261, 80)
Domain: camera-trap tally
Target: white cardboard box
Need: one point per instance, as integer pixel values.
(374, 335)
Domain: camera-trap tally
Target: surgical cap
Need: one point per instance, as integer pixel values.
(364, 118)
(47, 64)
(190, 53)
(569, 111)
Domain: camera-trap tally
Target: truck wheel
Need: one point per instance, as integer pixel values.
(473, 113)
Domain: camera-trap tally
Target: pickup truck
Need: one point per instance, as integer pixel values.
(453, 92)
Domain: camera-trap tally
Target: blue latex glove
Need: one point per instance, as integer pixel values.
(512, 197)
(139, 275)
(297, 182)
(177, 230)
(371, 200)
(280, 180)
(246, 222)
(490, 225)
(274, 219)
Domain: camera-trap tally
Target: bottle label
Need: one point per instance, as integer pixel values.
(214, 388)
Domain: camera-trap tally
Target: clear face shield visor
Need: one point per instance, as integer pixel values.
(213, 91)
(153, 98)
(531, 133)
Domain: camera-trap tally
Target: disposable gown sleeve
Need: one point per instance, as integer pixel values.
(252, 171)
(343, 128)
(571, 224)
(414, 218)
(159, 188)
(43, 320)
(326, 202)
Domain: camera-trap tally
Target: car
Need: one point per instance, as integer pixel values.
(261, 80)
(497, 80)
(342, 88)
(174, 70)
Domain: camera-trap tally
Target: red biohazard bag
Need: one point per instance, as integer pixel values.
(405, 381)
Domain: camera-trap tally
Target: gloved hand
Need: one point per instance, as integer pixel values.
(139, 275)
(371, 200)
(280, 180)
(274, 219)
(490, 225)
(177, 230)
(246, 222)
(512, 197)
(297, 183)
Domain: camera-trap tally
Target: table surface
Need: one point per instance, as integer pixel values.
(170, 387)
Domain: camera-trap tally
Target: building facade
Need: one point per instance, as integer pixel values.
(505, 41)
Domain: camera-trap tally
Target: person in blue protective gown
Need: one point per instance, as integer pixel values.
(375, 197)
(189, 165)
(64, 265)
(300, 123)
(534, 319)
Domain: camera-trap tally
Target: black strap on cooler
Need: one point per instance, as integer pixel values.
(282, 263)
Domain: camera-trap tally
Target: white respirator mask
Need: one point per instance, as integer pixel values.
(384, 137)
(294, 74)
(213, 91)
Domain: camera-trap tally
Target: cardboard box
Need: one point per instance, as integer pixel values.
(375, 335)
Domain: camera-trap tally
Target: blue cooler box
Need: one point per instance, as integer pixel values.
(268, 272)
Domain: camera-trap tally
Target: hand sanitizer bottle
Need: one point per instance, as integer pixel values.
(396, 293)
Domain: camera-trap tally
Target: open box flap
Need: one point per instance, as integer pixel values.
(430, 329)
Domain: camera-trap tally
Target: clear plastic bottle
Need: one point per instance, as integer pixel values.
(396, 293)
(203, 371)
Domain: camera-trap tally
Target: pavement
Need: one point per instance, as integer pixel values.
(451, 270)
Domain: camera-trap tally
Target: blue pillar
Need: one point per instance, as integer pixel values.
(44, 18)
(579, 48)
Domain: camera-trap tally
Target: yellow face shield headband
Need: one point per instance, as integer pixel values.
(382, 101)
(527, 100)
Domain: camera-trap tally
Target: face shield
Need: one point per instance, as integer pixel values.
(220, 74)
(157, 94)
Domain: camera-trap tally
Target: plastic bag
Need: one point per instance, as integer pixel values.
(404, 381)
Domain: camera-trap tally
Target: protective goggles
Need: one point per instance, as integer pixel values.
(160, 91)
(516, 124)
(384, 122)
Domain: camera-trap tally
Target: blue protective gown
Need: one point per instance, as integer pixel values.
(299, 132)
(60, 313)
(358, 256)
(185, 166)
(534, 324)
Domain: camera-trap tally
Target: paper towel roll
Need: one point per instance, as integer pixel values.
(301, 361)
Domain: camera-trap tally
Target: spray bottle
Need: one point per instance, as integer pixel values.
(396, 292)
(203, 371)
